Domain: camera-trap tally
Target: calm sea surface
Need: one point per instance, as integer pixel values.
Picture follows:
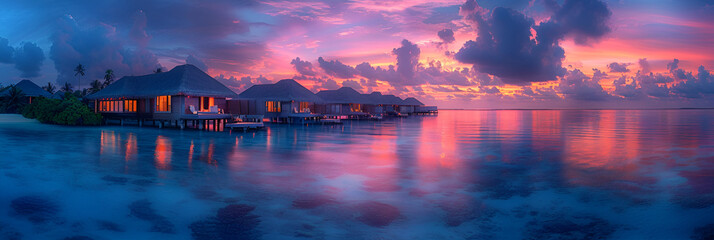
(570, 174)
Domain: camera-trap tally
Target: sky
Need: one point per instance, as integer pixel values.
(453, 54)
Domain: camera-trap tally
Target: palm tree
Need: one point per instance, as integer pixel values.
(96, 85)
(50, 88)
(14, 100)
(79, 70)
(67, 87)
(158, 70)
(108, 77)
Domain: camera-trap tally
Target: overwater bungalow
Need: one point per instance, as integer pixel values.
(382, 104)
(29, 89)
(344, 102)
(182, 96)
(284, 101)
(409, 105)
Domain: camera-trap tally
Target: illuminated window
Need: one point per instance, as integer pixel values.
(129, 105)
(272, 106)
(206, 103)
(304, 107)
(163, 104)
(113, 105)
(356, 107)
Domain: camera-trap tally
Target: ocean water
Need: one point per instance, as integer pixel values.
(545, 174)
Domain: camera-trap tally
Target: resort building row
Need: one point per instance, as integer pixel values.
(186, 94)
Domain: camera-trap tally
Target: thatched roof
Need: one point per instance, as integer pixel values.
(185, 80)
(29, 89)
(343, 95)
(412, 101)
(284, 90)
(378, 98)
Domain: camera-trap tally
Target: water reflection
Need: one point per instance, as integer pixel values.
(460, 167)
(163, 153)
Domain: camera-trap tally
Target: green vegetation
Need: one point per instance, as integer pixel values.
(14, 101)
(68, 111)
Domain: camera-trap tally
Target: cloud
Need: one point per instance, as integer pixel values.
(578, 86)
(446, 36)
(625, 89)
(446, 89)
(303, 67)
(407, 61)
(618, 67)
(196, 62)
(138, 30)
(696, 86)
(98, 48)
(239, 85)
(489, 90)
(539, 94)
(5, 51)
(336, 68)
(583, 19)
(644, 65)
(674, 65)
(505, 46)
(353, 84)
(324, 84)
(28, 59)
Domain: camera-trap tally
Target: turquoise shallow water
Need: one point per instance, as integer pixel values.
(564, 174)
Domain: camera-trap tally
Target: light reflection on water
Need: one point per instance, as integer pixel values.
(478, 174)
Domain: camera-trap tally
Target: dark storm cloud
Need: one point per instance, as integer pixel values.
(303, 67)
(5, 51)
(98, 48)
(446, 36)
(336, 68)
(28, 59)
(618, 67)
(505, 48)
(196, 62)
(583, 19)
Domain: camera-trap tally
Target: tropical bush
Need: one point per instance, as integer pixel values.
(13, 101)
(68, 111)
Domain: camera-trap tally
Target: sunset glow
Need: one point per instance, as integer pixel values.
(407, 48)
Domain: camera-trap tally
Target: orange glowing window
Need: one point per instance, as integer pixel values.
(163, 104)
(117, 106)
(356, 107)
(272, 106)
(129, 105)
(206, 103)
(304, 107)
